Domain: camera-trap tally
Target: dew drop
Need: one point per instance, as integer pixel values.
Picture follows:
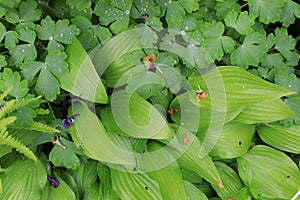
(127, 12)
(23, 50)
(182, 32)
(186, 27)
(289, 85)
(243, 87)
(51, 38)
(61, 35)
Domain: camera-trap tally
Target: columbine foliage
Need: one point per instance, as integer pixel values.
(47, 55)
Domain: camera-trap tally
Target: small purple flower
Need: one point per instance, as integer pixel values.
(67, 122)
(53, 181)
(1, 106)
(142, 18)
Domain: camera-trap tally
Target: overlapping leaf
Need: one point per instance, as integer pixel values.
(269, 173)
(283, 138)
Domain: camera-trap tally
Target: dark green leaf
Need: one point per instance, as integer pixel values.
(241, 22)
(46, 29)
(11, 39)
(10, 78)
(224, 7)
(190, 5)
(3, 62)
(174, 15)
(249, 53)
(267, 10)
(284, 43)
(29, 12)
(79, 4)
(47, 84)
(288, 81)
(22, 53)
(290, 10)
(65, 157)
(114, 13)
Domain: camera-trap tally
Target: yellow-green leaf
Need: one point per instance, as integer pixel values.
(82, 79)
(24, 179)
(96, 142)
(280, 137)
(232, 87)
(134, 186)
(265, 112)
(235, 140)
(138, 118)
(269, 173)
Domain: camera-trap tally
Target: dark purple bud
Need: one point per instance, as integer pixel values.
(142, 18)
(53, 181)
(66, 123)
(1, 106)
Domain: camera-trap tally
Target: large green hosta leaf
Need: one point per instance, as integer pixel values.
(134, 186)
(265, 112)
(196, 118)
(235, 140)
(82, 79)
(280, 137)
(232, 182)
(269, 173)
(187, 147)
(232, 87)
(24, 179)
(96, 142)
(192, 192)
(62, 192)
(138, 118)
(166, 176)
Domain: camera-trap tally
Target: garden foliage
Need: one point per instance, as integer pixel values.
(149, 99)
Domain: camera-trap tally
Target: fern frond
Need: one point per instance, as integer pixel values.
(37, 126)
(7, 139)
(13, 105)
(41, 111)
(6, 121)
(4, 149)
(5, 93)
